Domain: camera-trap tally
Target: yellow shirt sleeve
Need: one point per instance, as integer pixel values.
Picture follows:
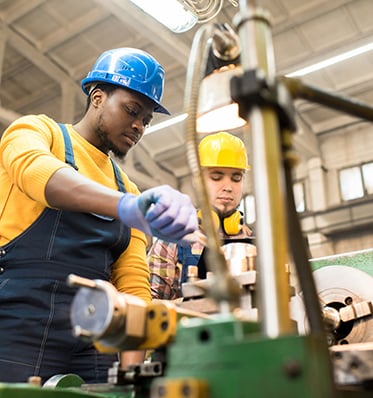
(130, 273)
(30, 153)
(27, 169)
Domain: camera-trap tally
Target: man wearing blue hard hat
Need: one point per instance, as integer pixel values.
(67, 208)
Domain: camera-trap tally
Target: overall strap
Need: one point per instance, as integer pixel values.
(69, 154)
(186, 257)
(118, 177)
(69, 158)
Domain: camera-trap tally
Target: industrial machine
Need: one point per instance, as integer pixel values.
(344, 286)
(250, 333)
(209, 351)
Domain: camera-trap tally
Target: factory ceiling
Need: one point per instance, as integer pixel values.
(48, 46)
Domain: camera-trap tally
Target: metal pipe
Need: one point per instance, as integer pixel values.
(225, 290)
(253, 27)
(334, 101)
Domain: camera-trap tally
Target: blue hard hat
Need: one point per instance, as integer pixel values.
(130, 68)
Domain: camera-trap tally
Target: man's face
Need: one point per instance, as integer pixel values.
(122, 117)
(225, 188)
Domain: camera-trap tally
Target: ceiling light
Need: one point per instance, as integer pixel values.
(171, 13)
(331, 61)
(216, 109)
(166, 123)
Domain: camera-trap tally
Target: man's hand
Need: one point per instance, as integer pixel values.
(161, 211)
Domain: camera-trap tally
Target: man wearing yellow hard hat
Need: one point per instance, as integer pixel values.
(223, 158)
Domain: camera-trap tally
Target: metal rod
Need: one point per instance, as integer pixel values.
(340, 103)
(257, 53)
(78, 281)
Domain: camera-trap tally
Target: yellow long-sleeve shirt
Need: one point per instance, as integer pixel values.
(32, 149)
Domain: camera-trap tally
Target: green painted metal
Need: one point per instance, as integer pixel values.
(64, 381)
(24, 390)
(236, 361)
(363, 260)
(233, 358)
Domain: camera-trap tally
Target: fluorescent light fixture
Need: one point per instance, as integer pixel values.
(220, 119)
(170, 13)
(216, 109)
(300, 72)
(331, 61)
(166, 123)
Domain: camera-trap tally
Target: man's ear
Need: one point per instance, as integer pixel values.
(96, 97)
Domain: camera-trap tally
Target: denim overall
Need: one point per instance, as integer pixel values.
(35, 330)
(186, 258)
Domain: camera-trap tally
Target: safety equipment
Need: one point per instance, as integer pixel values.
(230, 224)
(161, 211)
(130, 68)
(223, 150)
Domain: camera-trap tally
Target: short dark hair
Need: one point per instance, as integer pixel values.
(106, 88)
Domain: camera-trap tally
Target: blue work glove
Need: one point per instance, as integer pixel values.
(161, 211)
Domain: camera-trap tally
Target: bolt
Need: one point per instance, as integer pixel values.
(292, 368)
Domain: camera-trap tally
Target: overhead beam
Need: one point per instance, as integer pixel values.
(3, 41)
(8, 116)
(161, 37)
(19, 9)
(142, 180)
(306, 14)
(336, 123)
(67, 103)
(305, 141)
(34, 56)
(160, 176)
(35, 97)
(71, 30)
(38, 59)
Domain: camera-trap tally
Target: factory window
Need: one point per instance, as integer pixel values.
(247, 206)
(351, 183)
(299, 198)
(367, 170)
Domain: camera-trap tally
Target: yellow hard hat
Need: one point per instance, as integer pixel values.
(223, 150)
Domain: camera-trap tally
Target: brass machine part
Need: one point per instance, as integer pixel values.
(117, 321)
(180, 388)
